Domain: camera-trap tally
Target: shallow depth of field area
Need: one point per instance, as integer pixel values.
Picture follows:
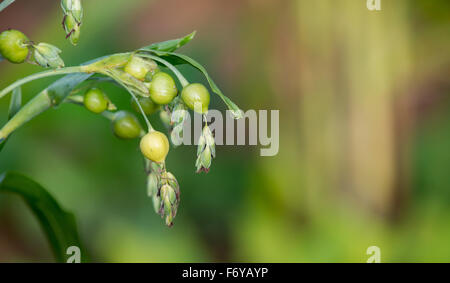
(364, 135)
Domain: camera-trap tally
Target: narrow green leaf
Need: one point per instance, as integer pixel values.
(14, 107)
(60, 89)
(58, 225)
(15, 103)
(5, 4)
(170, 45)
(53, 95)
(177, 59)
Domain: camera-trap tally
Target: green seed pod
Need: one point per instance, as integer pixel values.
(139, 67)
(14, 46)
(126, 125)
(47, 55)
(152, 184)
(95, 100)
(155, 146)
(162, 88)
(196, 94)
(147, 105)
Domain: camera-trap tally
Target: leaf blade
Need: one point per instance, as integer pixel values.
(170, 45)
(58, 224)
(15, 102)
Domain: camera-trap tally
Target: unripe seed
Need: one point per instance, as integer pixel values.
(147, 105)
(139, 67)
(13, 46)
(196, 95)
(155, 146)
(95, 100)
(162, 88)
(126, 126)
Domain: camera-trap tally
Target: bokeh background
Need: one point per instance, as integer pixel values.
(364, 134)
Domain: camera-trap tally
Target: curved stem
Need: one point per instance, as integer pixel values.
(177, 73)
(149, 125)
(37, 105)
(56, 72)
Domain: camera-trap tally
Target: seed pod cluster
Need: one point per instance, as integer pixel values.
(73, 16)
(163, 188)
(206, 150)
(150, 88)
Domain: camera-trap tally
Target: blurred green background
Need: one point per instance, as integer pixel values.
(364, 134)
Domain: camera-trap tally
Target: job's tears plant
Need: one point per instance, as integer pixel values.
(146, 74)
(151, 89)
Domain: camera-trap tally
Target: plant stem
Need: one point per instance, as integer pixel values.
(149, 125)
(37, 105)
(56, 72)
(5, 4)
(177, 73)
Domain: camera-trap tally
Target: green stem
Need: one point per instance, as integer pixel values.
(177, 73)
(36, 106)
(5, 4)
(55, 72)
(109, 115)
(112, 75)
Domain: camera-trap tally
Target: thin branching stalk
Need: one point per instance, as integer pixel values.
(184, 82)
(56, 72)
